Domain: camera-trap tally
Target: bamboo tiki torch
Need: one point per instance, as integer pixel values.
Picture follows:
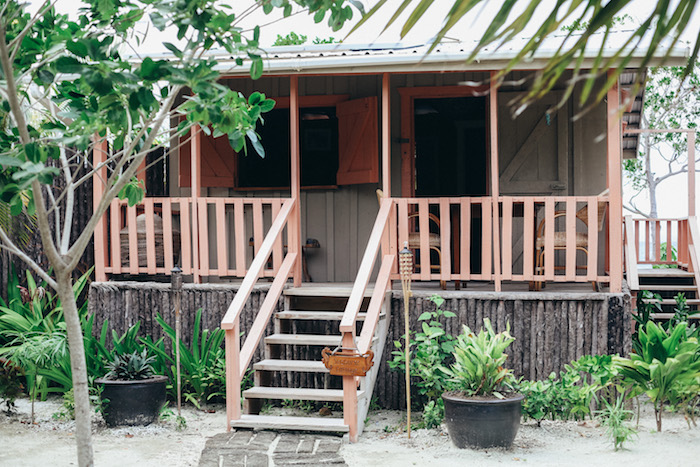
(406, 269)
(176, 284)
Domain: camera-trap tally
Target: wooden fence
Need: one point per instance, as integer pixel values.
(550, 329)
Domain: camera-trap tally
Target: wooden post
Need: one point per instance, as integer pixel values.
(196, 186)
(294, 225)
(495, 190)
(99, 155)
(349, 393)
(386, 135)
(176, 286)
(691, 173)
(233, 374)
(614, 151)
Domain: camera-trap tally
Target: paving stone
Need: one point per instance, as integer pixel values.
(255, 459)
(306, 459)
(287, 444)
(241, 437)
(261, 440)
(306, 445)
(329, 445)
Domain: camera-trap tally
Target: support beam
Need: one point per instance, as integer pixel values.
(294, 226)
(614, 150)
(386, 135)
(691, 173)
(99, 156)
(495, 189)
(196, 184)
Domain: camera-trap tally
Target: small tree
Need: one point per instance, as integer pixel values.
(669, 103)
(67, 85)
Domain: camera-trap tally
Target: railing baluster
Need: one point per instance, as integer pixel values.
(636, 239)
(669, 242)
(277, 251)
(150, 236)
(507, 239)
(486, 238)
(445, 232)
(167, 235)
(570, 255)
(647, 243)
(403, 221)
(133, 240)
(528, 238)
(593, 228)
(657, 240)
(115, 227)
(221, 240)
(424, 235)
(186, 235)
(203, 236)
(258, 233)
(465, 218)
(549, 239)
(241, 241)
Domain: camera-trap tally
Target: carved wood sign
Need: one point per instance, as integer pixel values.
(347, 362)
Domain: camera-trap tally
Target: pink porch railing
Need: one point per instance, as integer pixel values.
(230, 232)
(542, 238)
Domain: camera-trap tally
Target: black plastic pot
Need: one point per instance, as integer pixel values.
(133, 402)
(482, 423)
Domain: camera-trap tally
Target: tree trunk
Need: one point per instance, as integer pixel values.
(83, 422)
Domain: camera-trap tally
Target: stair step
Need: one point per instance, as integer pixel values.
(666, 287)
(319, 315)
(303, 339)
(305, 394)
(332, 290)
(670, 301)
(671, 315)
(664, 273)
(334, 425)
(309, 366)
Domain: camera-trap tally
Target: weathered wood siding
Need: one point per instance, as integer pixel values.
(551, 329)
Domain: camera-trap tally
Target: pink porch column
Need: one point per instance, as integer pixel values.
(614, 150)
(495, 188)
(99, 156)
(294, 224)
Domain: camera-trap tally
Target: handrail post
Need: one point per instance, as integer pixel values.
(350, 394)
(99, 156)
(233, 374)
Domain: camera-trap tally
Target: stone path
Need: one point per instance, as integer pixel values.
(268, 448)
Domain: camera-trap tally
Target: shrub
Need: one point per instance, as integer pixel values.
(130, 367)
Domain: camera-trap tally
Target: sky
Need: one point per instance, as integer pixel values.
(470, 28)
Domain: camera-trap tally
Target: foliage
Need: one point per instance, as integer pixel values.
(667, 364)
(667, 21)
(10, 384)
(130, 367)
(649, 303)
(433, 413)
(299, 39)
(479, 367)
(664, 257)
(431, 352)
(612, 417)
(167, 414)
(203, 365)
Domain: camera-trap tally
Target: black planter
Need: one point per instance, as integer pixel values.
(133, 402)
(482, 423)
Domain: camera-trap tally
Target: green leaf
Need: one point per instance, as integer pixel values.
(256, 68)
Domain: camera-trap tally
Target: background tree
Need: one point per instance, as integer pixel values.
(668, 103)
(80, 89)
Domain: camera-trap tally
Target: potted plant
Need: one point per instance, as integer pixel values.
(132, 394)
(479, 410)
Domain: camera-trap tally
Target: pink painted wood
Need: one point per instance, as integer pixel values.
(424, 232)
(185, 226)
(374, 308)
(528, 239)
(233, 373)
(445, 232)
(241, 241)
(167, 235)
(570, 267)
(203, 236)
(507, 238)
(150, 236)
(221, 240)
(133, 240)
(549, 240)
(592, 257)
(465, 244)
(115, 226)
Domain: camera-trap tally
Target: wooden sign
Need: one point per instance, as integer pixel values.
(347, 362)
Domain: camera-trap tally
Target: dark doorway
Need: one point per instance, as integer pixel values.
(450, 137)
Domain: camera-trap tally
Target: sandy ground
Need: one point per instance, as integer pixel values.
(51, 442)
(554, 443)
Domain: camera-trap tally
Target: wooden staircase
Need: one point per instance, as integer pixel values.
(668, 283)
(292, 369)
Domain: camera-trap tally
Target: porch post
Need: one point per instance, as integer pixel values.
(99, 155)
(691, 173)
(294, 225)
(196, 186)
(386, 135)
(495, 190)
(615, 186)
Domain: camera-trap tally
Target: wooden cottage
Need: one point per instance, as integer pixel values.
(370, 148)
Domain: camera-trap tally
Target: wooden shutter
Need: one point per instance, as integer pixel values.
(218, 164)
(358, 141)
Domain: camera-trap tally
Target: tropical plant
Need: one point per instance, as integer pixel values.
(431, 352)
(203, 364)
(130, 367)
(10, 384)
(479, 366)
(613, 417)
(668, 363)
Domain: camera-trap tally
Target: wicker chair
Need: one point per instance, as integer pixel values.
(433, 239)
(560, 239)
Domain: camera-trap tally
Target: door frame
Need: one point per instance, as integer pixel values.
(408, 137)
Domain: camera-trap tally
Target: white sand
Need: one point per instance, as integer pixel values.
(52, 442)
